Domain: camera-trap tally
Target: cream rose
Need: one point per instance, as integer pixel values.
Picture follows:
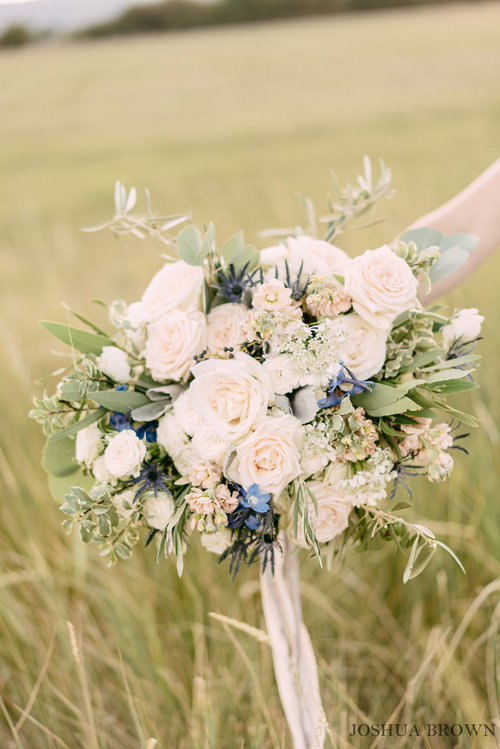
(170, 434)
(124, 454)
(381, 285)
(209, 445)
(315, 256)
(225, 326)
(172, 342)
(282, 373)
(332, 517)
(186, 459)
(230, 394)
(177, 286)
(185, 414)
(114, 362)
(269, 456)
(158, 510)
(464, 326)
(88, 444)
(363, 349)
(216, 542)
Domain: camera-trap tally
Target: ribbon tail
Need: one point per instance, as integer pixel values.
(293, 655)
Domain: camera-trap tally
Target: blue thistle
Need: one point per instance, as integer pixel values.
(232, 284)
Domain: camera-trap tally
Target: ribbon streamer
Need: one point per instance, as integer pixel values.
(293, 656)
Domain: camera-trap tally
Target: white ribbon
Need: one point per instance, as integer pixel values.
(293, 656)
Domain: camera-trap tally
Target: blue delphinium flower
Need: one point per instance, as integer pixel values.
(255, 499)
(344, 376)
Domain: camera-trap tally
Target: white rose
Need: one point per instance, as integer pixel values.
(216, 542)
(209, 445)
(177, 286)
(185, 414)
(138, 314)
(363, 349)
(332, 517)
(101, 473)
(282, 373)
(269, 456)
(124, 454)
(186, 459)
(158, 510)
(88, 444)
(172, 342)
(381, 285)
(230, 394)
(464, 326)
(225, 326)
(127, 496)
(114, 362)
(315, 256)
(170, 434)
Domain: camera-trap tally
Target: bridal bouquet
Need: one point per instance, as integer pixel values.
(249, 394)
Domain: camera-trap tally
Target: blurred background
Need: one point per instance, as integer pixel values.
(229, 122)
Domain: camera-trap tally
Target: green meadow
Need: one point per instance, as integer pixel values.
(230, 124)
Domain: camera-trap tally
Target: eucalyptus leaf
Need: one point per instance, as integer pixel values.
(151, 411)
(424, 237)
(249, 257)
(59, 457)
(448, 264)
(233, 248)
(189, 245)
(60, 485)
(120, 400)
(81, 340)
(164, 391)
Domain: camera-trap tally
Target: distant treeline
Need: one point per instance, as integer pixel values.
(182, 14)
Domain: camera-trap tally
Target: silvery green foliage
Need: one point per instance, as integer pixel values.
(407, 339)
(420, 260)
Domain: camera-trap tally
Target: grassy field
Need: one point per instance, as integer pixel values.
(230, 124)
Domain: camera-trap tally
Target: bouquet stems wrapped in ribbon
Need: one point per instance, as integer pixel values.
(266, 402)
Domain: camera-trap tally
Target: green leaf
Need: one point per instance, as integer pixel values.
(189, 245)
(249, 257)
(423, 237)
(81, 340)
(74, 428)
(120, 400)
(233, 248)
(60, 485)
(379, 397)
(401, 406)
(448, 264)
(59, 457)
(122, 550)
(208, 242)
(104, 525)
(453, 386)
